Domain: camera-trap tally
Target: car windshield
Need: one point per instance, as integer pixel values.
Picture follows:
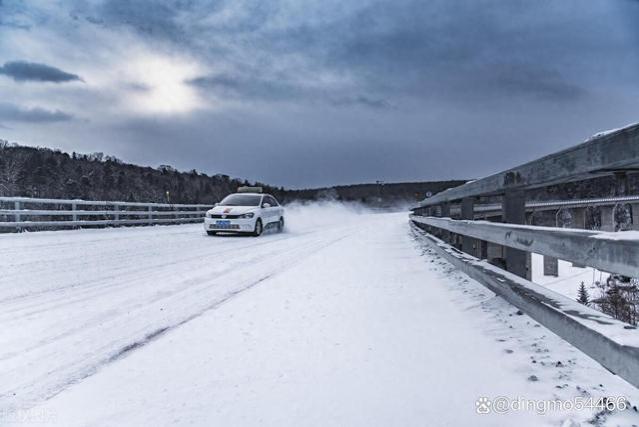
(241, 200)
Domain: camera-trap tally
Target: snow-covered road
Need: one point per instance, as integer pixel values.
(345, 319)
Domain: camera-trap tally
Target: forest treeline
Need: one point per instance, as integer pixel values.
(47, 173)
(42, 172)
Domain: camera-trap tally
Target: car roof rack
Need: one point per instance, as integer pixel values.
(249, 190)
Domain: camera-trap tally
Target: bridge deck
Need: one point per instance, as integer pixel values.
(344, 319)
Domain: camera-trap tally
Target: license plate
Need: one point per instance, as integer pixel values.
(223, 224)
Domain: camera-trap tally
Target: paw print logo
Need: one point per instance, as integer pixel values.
(482, 405)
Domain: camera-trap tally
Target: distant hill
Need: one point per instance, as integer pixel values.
(43, 172)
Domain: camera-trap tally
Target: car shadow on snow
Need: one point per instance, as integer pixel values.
(269, 230)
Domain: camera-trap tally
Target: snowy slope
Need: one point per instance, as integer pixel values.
(343, 320)
(567, 283)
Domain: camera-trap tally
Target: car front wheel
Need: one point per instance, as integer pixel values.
(258, 228)
(280, 225)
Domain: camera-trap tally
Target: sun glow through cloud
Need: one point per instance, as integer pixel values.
(158, 84)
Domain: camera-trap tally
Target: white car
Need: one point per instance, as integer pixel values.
(247, 211)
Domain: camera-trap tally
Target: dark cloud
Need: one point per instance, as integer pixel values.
(541, 82)
(8, 13)
(462, 51)
(361, 90)
(137, 87)
(254, 88)
(251, 87)
(151, 18)
(465, 51)
(22, 71)
(13, 113)
(504, 82)
(155, 18)
(362, 100)
(459, 50)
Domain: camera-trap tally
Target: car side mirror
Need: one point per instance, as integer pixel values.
(266, 205)
(215, 205)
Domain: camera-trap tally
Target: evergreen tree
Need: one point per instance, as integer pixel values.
(583, 297)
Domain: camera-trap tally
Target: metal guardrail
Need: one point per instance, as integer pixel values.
(612, 343)
(605, 251)
(121, 213)
(603, 154)
(477, 247)
(554, 204)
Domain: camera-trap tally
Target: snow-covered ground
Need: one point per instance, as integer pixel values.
(567, 283)
(345, 319)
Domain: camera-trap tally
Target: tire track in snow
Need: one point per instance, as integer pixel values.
(46, 370)
(125, 305)
(83, 286)
(120, 260)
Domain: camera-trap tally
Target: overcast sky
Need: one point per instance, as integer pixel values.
(318, 92)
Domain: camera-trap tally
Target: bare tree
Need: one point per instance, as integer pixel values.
(10, 169)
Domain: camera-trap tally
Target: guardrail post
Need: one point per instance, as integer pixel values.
(445, 209)
(607, 218)
(116, 215)
(493, 252)
(578, 221)
(447, 236)
(634, 207)
(551, 266)
(74, 217)
(469, 245)
(514, 206)
(150, 214)
(483, 249)
(579, 218)
(621, 181)
(18, 206)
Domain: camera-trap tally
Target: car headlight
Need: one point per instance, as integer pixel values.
(247, 215)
